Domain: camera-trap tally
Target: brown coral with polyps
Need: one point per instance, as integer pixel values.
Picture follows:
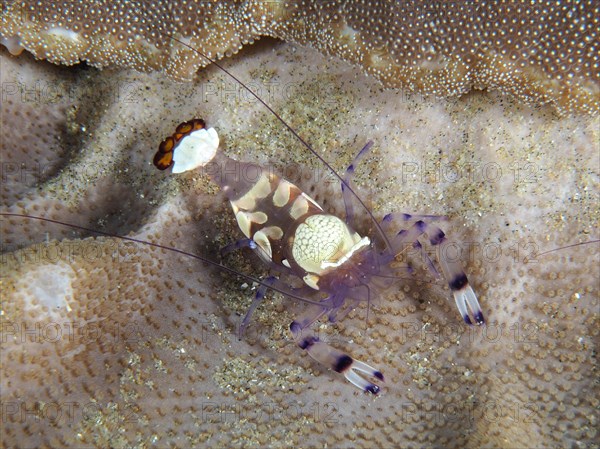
(540, 53)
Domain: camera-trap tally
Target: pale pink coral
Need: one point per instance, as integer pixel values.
(147, 351)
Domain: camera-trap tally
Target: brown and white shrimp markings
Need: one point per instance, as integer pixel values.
(294, 236)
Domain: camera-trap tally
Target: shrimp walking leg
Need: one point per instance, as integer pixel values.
(464, 295)
(330, 357)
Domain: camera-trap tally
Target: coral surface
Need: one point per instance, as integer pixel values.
(108, 343)
(541, 52)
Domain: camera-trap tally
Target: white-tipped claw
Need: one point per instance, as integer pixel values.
(466, 297)
(359, 381)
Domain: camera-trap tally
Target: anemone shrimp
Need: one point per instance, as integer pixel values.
(293, 235)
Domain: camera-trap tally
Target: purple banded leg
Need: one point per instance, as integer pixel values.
(348, 179)
(281, 287)
(427, 259)
(455, 276)
(331, 357)
(235, 246)
(260, 294)
(390, 218)
(407, 237)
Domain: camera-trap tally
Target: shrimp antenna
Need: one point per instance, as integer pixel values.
(568, 246)
(166, 248)
(294, 133)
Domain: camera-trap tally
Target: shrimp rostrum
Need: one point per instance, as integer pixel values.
(292, 234)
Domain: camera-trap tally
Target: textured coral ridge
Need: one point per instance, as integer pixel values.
(108, 344)
(545, 52)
